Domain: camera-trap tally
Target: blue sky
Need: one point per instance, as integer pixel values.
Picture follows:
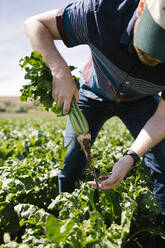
(14, 45)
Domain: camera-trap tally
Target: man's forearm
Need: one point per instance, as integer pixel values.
(41, 31)
(152, 133)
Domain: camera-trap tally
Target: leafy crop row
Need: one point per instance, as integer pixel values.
(32, 214)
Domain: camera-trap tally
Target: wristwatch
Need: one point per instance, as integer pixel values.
(134, 155)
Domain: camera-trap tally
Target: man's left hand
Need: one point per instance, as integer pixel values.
(119, 171)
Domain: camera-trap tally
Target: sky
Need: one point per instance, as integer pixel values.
(14, 44)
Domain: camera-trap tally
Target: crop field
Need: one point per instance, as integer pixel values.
(32, 214)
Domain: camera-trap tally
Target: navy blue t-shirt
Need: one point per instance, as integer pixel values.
(107, 27)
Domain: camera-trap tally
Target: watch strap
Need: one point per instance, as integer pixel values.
(134, 155)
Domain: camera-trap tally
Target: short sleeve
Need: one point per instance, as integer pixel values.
(72, 23)
(163, 95)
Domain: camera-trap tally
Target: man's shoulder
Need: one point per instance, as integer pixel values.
(105, 5)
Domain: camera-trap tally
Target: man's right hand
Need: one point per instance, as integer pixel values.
(41, 31)
(64, 88)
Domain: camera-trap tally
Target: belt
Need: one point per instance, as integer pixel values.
(123, 96)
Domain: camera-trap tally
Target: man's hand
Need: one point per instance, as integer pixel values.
(63, 89)
(41, 31)
(119, 171)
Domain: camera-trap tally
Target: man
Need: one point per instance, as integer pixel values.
(123, 77)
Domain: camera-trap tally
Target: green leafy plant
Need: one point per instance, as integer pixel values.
(40, 90)
(39, 86)
(31, 209)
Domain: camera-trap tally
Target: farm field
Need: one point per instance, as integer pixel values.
(32, 214)
(12, 105)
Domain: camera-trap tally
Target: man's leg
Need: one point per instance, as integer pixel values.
(155, 159)
(96, 113)
(135, 115)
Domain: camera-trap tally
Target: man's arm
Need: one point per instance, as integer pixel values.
(41, 31)
(151, 134)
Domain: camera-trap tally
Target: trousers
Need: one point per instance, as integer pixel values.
(134, 114)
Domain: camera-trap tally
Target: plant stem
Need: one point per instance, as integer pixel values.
(85, 142)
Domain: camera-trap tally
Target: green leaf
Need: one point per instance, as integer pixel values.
(40, 85)
(58, 111)
(58, 231)
(23, 98)
(36, 55)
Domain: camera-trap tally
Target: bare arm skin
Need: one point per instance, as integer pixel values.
(151, 134)
(41, 31)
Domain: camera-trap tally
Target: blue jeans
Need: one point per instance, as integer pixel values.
(134, 115)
